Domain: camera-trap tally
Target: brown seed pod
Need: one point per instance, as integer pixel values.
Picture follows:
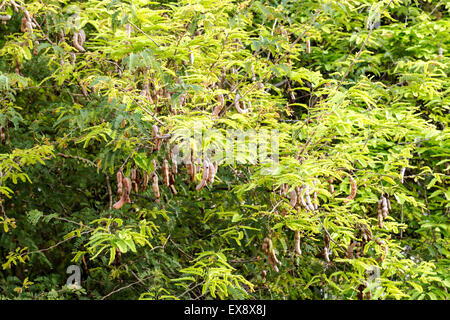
(119, 184)
(145, 181)
(81, 37)
(300, 192)
(165, 172)
(297, 243)
(212, 172)
(353, 188)
(308, 46)
(190, 170)
(237, 104)
(309, 204)
(134, 182)
(220, 105)
(350, 249)
(76, 44)
(191, 57)
(155, 186)
(205, 175)
(402, 174)
(293, 198)
(125, 198)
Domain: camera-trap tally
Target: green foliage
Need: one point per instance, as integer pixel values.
(358, 91)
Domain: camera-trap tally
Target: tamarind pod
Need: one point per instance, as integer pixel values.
(302, 199)
(204, 176)
(297, 243)
(165, 172)
(308, 46)
(5, 17)
(190, 170)
(119, 184)
(191, 58)
(293, 198)
(402, 174)
(172, 188)
(384, 209)
(326, 254)
(284, 189)
(174, 166)
(155, 130)
(270, 258)
(308, 200)
(267, 245)
(237, 101)
(216, 166)
(76, 45)
(315, 200)
(126, 190)
(155, 186)
(350, 248)
(27, 15)
(81, 37)
(380, 219)
(380, 203)
(29, 26)
(388, 203)
(145, 181)
(353, 188)
(119, 204)
(219, 106)
(275, 258)
(212, 172)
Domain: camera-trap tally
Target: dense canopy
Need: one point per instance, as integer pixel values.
(349, 201)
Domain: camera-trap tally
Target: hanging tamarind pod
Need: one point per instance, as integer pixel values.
(81, 37)
(315, 200)
(212, 172)
(191, 57)
(353, 189)
(145, 181)
(119, 184)
(204, 176)
(155, 187)
(402, 174)
(165, 172)
(219, 106)
(300, 193)
(326, 252)
(5, 17)
(134, 183)
(237, 104)
(309, 204)
(125, 198)
(293, 198)
(384, 209)
(297, 243)
(308, 46)
(349, 253)
(76, 44)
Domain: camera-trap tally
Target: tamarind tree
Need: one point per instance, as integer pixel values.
(353, 202)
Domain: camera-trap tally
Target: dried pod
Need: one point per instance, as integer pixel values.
(402, 174)
(81, 37)
(190, 170)
(350, 249)
(237, 104)
(353, 188)
(172, 188)
(309, 204)
(297, 243)
(308, 46)
(134, 183)
(119, 183)
(384, 209)
(76, 44)
(165, 172)
(220, 105)
(380, 219)
(300, 192)
(293, 198)
(212, 172)
(191, 57)
(174, 166)
(155, 186)
(125, 198)
(5, 17)
(145, 181)
(205, 175)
